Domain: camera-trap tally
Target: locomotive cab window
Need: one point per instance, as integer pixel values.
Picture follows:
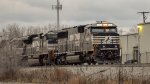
(49, 36)
(97, 30)
(113, 30)
(62, 34)
(81, 29)
(52, 38)
(103, 30)
(51, 41)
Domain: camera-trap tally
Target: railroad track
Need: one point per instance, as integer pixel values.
(103, 65)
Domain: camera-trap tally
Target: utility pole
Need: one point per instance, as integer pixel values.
(57, 7)
(144, 16)
(0, 38)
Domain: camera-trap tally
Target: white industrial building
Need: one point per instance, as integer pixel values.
(129, 45)
(136, 46)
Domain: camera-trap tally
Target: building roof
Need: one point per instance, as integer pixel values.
(129, 34)
(144, 23)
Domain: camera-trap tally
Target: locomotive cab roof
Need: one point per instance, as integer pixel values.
(102, 24)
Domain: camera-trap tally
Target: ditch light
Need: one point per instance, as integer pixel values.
(140, 28)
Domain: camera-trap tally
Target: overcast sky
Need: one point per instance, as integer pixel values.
(75, 12)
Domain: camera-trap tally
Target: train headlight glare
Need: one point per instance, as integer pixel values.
(140, 28)
(115, 46)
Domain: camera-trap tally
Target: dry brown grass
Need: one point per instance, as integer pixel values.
(61, 76)
(37, 76)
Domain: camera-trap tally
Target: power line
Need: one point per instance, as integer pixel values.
(144, 16)
(57, 7)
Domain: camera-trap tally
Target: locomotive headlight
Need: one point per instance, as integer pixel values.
(115, 46)
(103, 46)
(140, 28)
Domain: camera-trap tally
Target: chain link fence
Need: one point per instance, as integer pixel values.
(143, 58)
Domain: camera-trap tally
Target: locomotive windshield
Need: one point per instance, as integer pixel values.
(52, 38)
(113, 30)
(97, 30)
(103, 30)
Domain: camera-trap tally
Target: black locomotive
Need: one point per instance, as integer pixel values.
(91, 43)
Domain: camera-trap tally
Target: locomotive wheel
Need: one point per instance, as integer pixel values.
(63, 60)
(93, 62)
(41, 60)
(57, 61)
(24, 61)
(60, 62)
(88, 60)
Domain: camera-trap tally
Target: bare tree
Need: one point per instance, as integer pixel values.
(120, 31)
(133, 30)
(12, 31)
(8, 56)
